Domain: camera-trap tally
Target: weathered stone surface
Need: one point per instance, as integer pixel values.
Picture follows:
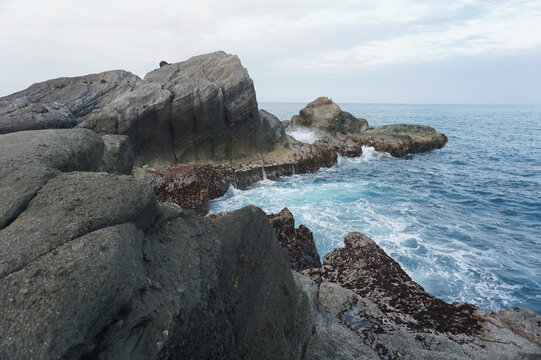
(298, 243)
(117, 155)
(28, 159)
(57, 305)
(213, 114)
(24, 114)
(394, 317)
(397, 140)
(273, 130)
(324, 115)
(193, 186)
(69, 206)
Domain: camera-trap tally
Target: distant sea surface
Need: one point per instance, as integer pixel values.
(463, 221)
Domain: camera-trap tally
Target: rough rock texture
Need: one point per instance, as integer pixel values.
(298, 243)
(202, 109)
(213, 113)
(117, 155)
(397, 140)
(273, 130)
(193, 186)
(324, 115)
(92, 266)
(29, 159)
(369, 302)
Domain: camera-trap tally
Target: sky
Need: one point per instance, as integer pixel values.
(381, 51)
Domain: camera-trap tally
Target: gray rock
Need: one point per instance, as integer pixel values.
(117, 155)
(29, 159)
(324, 115)
(55, 306)
(273, 129)
(23, 114)
(69, 206)
(213, 114)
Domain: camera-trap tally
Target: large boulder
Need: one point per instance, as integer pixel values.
(214, 113)
(324, 115)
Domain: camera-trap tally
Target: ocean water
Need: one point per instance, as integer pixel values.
(463, 221)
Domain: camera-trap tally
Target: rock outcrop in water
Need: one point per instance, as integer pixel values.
(324, 115)
(297, 242)
(369, 308)
(95, 264)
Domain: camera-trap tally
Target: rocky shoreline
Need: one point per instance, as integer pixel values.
(101, 256)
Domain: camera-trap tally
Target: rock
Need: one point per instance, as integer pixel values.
(324, 115)
(69, 206)
(397, 140)
(56, 305)
(213, 114)
(117, 155)
(23, 114)
(163, 63)
(273, 129)
(28, 159)
(394, 317)
(193, 186)
(93, 267)
(298, 243)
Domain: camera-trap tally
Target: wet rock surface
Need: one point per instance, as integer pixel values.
(298, 242)
(369, 302)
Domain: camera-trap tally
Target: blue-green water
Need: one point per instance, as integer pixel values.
(463, 221)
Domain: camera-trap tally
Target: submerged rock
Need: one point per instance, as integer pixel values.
(298, 243)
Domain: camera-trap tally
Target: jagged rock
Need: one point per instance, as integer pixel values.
(298, 243)
(213, 114)
(365, 293)
(94, 267)
(117, 155)
(324, 115)
(397, 140)
(202, 109)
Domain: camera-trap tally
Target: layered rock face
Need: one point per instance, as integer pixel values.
(92, 266)
(370, 308)
(324, 115)
(202, 109)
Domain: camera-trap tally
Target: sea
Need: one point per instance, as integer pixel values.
(463, 221)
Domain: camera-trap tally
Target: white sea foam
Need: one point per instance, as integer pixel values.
(369, 154)
(304, 135)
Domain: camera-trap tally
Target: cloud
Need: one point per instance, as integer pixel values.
(47, 38)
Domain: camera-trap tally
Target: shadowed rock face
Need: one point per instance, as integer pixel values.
(298, 243)
(324, 115)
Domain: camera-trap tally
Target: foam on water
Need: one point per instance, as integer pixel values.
(463, 221)
(303, 135)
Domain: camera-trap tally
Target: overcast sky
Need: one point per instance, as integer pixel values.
(461, 51)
